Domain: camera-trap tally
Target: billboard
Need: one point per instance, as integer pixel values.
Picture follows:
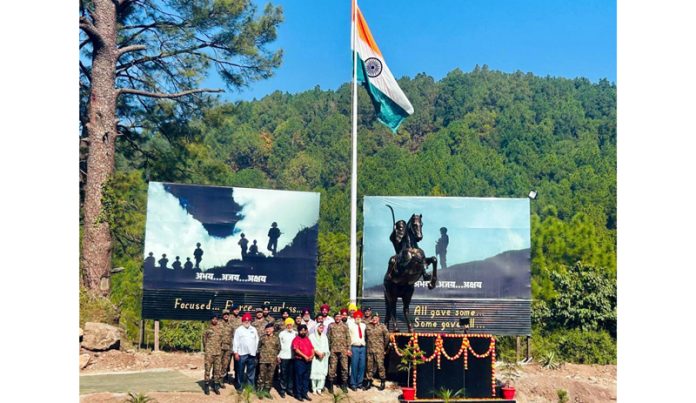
(207, 247)
(483, 250)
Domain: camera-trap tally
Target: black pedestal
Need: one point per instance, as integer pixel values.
(476, 380)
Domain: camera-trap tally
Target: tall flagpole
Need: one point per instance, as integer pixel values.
(354, 164)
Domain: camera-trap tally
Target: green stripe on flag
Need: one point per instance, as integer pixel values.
(388, 111)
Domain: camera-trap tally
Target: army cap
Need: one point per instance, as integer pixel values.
(269, 325)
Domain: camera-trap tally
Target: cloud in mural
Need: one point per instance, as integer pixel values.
(171, 229)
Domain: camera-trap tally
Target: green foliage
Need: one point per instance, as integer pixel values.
(95, 308)
(482, 133)
(575, 345)
(549, 361)
(586, 299)
(139, 398)
(562, 396)
(446, 395)
(509, 371)
(339, 396)
(245, 395)
(181, 335)
(332, 270)
(411, 357)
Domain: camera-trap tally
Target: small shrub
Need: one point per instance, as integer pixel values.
(562, 396)
(549, 361)
(139, 398)
(509, 372)
(95, 308)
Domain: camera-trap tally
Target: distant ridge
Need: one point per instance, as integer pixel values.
(505, 275)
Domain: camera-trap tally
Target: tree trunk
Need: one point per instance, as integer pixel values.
(95, 254)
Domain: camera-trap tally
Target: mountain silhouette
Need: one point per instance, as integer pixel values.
(505, 275)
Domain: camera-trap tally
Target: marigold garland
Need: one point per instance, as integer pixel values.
(439, 351)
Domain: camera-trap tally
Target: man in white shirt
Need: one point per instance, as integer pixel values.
(286, 337)
(307, 319)
(328, 320)
(317, 320)
(352, 308)
(358, 353)
(244, 347)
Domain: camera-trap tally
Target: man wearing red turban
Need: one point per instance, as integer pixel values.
(244, 346)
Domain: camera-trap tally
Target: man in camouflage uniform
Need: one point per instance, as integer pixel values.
(269, 347)
(279, 325)
(339, 344)
(377, 338)
(234, 322)
(260, 322)
(266, 314)
(212, 342)
(226, 346)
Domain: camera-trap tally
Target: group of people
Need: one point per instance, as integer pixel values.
(300, 353)
(149, 262)
(253, 250)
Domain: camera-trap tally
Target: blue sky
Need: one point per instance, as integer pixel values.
(546, 37)
(478, 228)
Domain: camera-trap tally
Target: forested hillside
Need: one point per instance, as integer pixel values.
(483, 133)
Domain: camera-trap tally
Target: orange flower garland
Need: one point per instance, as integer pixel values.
(439, 351)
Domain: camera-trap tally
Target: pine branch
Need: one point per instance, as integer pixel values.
(132, 48)
(91, 31)
(165, 95)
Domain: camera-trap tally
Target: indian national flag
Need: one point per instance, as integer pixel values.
(390, 102)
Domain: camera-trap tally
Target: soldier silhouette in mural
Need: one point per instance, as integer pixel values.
(243, 243)
(188, 265)
(441, 247)
(163, 262)
(254, 249)
(149, 262)
(176, 265)
(273, 235)
(198, 255)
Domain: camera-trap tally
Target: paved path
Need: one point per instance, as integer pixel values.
(143, 381)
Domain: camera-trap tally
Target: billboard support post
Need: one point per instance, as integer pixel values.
(156, 336)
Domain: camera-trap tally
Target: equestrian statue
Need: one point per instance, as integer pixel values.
(406, 267)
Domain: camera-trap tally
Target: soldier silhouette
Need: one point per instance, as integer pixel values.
(254, 249)
(243, 243)
(188, 265)
(273, 235)
(441, 247)
(198, 255)
(163, 262)
(149, 262)
(177, 264)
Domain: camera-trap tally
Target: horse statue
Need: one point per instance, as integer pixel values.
(406, 267)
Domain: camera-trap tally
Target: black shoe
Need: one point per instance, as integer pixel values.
(299, 399)
(222, 384)
(367, 384)
(282, 394)
(353, 388)
(329, 387)
(216, 388)
(206, 388)
(306, 397)
(344, 389)
(381, 384)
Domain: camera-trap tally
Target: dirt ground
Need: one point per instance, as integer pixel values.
(584, 383)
